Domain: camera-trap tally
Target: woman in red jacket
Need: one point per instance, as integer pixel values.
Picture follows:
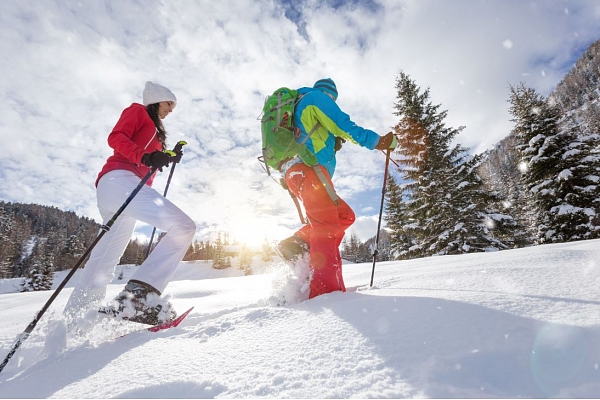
(139, 141)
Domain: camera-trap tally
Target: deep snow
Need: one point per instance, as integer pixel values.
(518, 323)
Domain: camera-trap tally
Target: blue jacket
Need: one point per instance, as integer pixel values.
(315, 106)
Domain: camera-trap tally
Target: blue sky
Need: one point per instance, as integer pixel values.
(71, 67)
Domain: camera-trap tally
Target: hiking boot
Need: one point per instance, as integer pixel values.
(140, 302)
(292, 248)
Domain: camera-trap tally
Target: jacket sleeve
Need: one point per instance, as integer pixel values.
(121, 137)
(329, 114)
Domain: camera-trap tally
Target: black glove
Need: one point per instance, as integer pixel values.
(177, 157)
(338, 143)
(157, 159)
(388, 141)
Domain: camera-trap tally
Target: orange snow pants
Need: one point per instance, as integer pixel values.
(327, 223)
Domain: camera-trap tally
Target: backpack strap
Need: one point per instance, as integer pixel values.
(288, 162)
(328, 187)
(317, 125)
(330, 190)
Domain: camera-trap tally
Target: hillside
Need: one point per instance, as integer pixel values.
(33, 234)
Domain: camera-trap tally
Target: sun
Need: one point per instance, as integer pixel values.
(254, 232)
(246, 225)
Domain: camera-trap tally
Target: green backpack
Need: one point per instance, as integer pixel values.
(278, 132)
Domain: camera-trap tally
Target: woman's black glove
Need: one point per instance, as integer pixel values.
(157, 159)
(177, 157)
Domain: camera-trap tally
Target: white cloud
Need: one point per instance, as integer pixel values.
(70, 68)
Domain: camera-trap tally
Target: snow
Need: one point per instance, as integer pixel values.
(514, 323)
(565, 174)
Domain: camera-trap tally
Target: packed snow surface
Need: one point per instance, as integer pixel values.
(517, 323)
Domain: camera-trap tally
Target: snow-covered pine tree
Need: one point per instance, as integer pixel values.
(561, 173)
(578, 97)
(8, 246)
(502, 177)
(73, 249)
(575, 214)
(40, 274)
(447, 205)
(396, 217)
(540, 145)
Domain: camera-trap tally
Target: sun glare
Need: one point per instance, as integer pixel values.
(254, 232)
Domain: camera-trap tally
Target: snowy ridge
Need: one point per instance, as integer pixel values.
(516, 323)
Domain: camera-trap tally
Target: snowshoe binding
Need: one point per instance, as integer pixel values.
(142, 303)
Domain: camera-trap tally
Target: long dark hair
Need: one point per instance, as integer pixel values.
(162, 133)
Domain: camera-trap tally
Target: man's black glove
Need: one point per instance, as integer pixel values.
(157, 159)
(388, 141)
(338, 143)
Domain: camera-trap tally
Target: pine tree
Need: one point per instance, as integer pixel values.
(536, 132)
(502, 177)
(352, 251)
(7, 244)
(365, 252)
(190, 253)
(561, 174)
(245, 262)
(267, 251)
(447, 208)
(134, 253)
(220, 260)
(396, 219)
(40, 274)
(576, 208)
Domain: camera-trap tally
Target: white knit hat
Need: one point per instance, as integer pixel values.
(155, 93)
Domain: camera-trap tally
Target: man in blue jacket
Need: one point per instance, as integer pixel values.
(318, 116)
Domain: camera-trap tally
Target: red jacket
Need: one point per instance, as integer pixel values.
(133, 136)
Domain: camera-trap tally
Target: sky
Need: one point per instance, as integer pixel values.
(521, 323)
(71, 67)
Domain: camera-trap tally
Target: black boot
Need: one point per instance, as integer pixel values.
(292, 248)
(140, 302)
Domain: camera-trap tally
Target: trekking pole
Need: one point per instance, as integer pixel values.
(385, 175)
(177, 148)
(105, 228)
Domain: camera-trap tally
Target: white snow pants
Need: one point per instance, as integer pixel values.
(148, 206)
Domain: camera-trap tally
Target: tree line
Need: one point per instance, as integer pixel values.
(541, 184)
(36, 240)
